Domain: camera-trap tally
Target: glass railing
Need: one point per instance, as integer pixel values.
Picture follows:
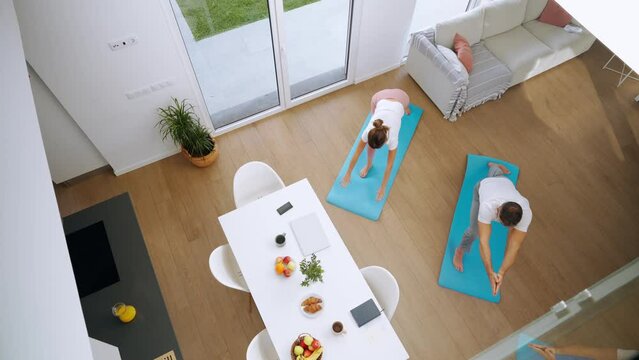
(600, 322)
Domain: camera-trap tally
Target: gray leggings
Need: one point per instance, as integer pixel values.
(472, 232)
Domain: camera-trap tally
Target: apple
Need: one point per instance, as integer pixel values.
(279, 259)
(287, 272)
(286, 259)
(298, 350)
(291, 265)
(315, 344)
(307, 353)
(304, 346)
(308, 340)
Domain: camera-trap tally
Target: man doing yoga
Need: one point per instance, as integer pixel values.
(495, 199)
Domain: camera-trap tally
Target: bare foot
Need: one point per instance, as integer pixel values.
(458, 259)
(346, 180)
(502, 167)
(364, 171)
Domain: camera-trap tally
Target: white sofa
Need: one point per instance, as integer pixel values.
(509, 46)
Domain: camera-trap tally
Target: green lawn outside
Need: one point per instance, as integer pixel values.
(209, 17)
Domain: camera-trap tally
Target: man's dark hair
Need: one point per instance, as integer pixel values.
(510, 213)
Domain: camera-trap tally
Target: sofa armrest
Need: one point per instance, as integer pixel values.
(437, 77)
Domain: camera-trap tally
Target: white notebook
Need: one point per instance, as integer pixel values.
(309, 234)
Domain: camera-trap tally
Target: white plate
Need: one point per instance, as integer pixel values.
(309, 314)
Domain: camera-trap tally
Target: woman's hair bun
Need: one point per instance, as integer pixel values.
(378, 123)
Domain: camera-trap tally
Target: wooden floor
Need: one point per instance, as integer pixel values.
(572, 132)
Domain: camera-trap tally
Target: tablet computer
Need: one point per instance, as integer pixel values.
(365, 312)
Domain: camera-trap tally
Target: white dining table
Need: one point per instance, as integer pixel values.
(251, 231)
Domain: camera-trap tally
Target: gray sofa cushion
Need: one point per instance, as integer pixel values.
(557, 38)
(522, 52)
(468, 25)
(501, 16)
(534, 9)
(489, 79)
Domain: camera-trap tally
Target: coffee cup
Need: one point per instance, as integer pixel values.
(338, 328)
(280, 239)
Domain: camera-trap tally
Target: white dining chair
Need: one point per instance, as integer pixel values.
(261, 348)
(384, 287)
(225, 269)
(254, 180)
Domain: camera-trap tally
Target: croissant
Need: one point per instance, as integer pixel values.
(311, 300)
(313, 308)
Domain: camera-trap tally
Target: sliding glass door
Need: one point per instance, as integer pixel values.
(253, 57)
(231, 49)
(316, 37)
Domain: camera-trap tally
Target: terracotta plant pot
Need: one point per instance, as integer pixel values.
(203, 161)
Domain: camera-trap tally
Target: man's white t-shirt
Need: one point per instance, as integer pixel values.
(493, 192)
(391, 112)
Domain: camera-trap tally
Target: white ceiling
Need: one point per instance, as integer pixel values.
(614, 22)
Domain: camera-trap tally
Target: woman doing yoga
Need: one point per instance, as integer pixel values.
(387, 108)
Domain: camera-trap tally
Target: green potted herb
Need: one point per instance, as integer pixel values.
(312, 270)
(180, 122)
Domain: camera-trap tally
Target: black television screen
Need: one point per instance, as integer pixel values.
(92, 259)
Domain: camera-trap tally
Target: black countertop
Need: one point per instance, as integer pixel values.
(150, 334)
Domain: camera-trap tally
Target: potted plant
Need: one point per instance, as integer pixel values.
(312, 271)
(180, 122)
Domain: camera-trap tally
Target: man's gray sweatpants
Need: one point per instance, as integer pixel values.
(471, 233)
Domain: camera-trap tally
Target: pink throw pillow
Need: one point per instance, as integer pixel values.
(554, 14)
(462, 49)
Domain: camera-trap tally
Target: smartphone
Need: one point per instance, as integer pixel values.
(284, 208)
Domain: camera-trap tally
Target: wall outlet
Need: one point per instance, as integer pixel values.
(123, 43)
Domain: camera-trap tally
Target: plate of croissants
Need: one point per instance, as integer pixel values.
(312, 305)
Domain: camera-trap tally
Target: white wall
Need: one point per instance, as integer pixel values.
(40, 313)
(69, 151)
(66, 44)
(430, 12)
(383, 31)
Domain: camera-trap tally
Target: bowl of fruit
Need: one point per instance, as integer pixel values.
(305, 347)
(284, 266)
(312, 305)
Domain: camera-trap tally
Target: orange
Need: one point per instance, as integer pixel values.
(128, 315)
(279, 268)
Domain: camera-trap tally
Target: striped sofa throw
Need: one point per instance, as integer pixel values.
(423, 41)
(489, 79)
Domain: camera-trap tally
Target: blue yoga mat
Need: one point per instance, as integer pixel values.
(359, 196)
(474, 280)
